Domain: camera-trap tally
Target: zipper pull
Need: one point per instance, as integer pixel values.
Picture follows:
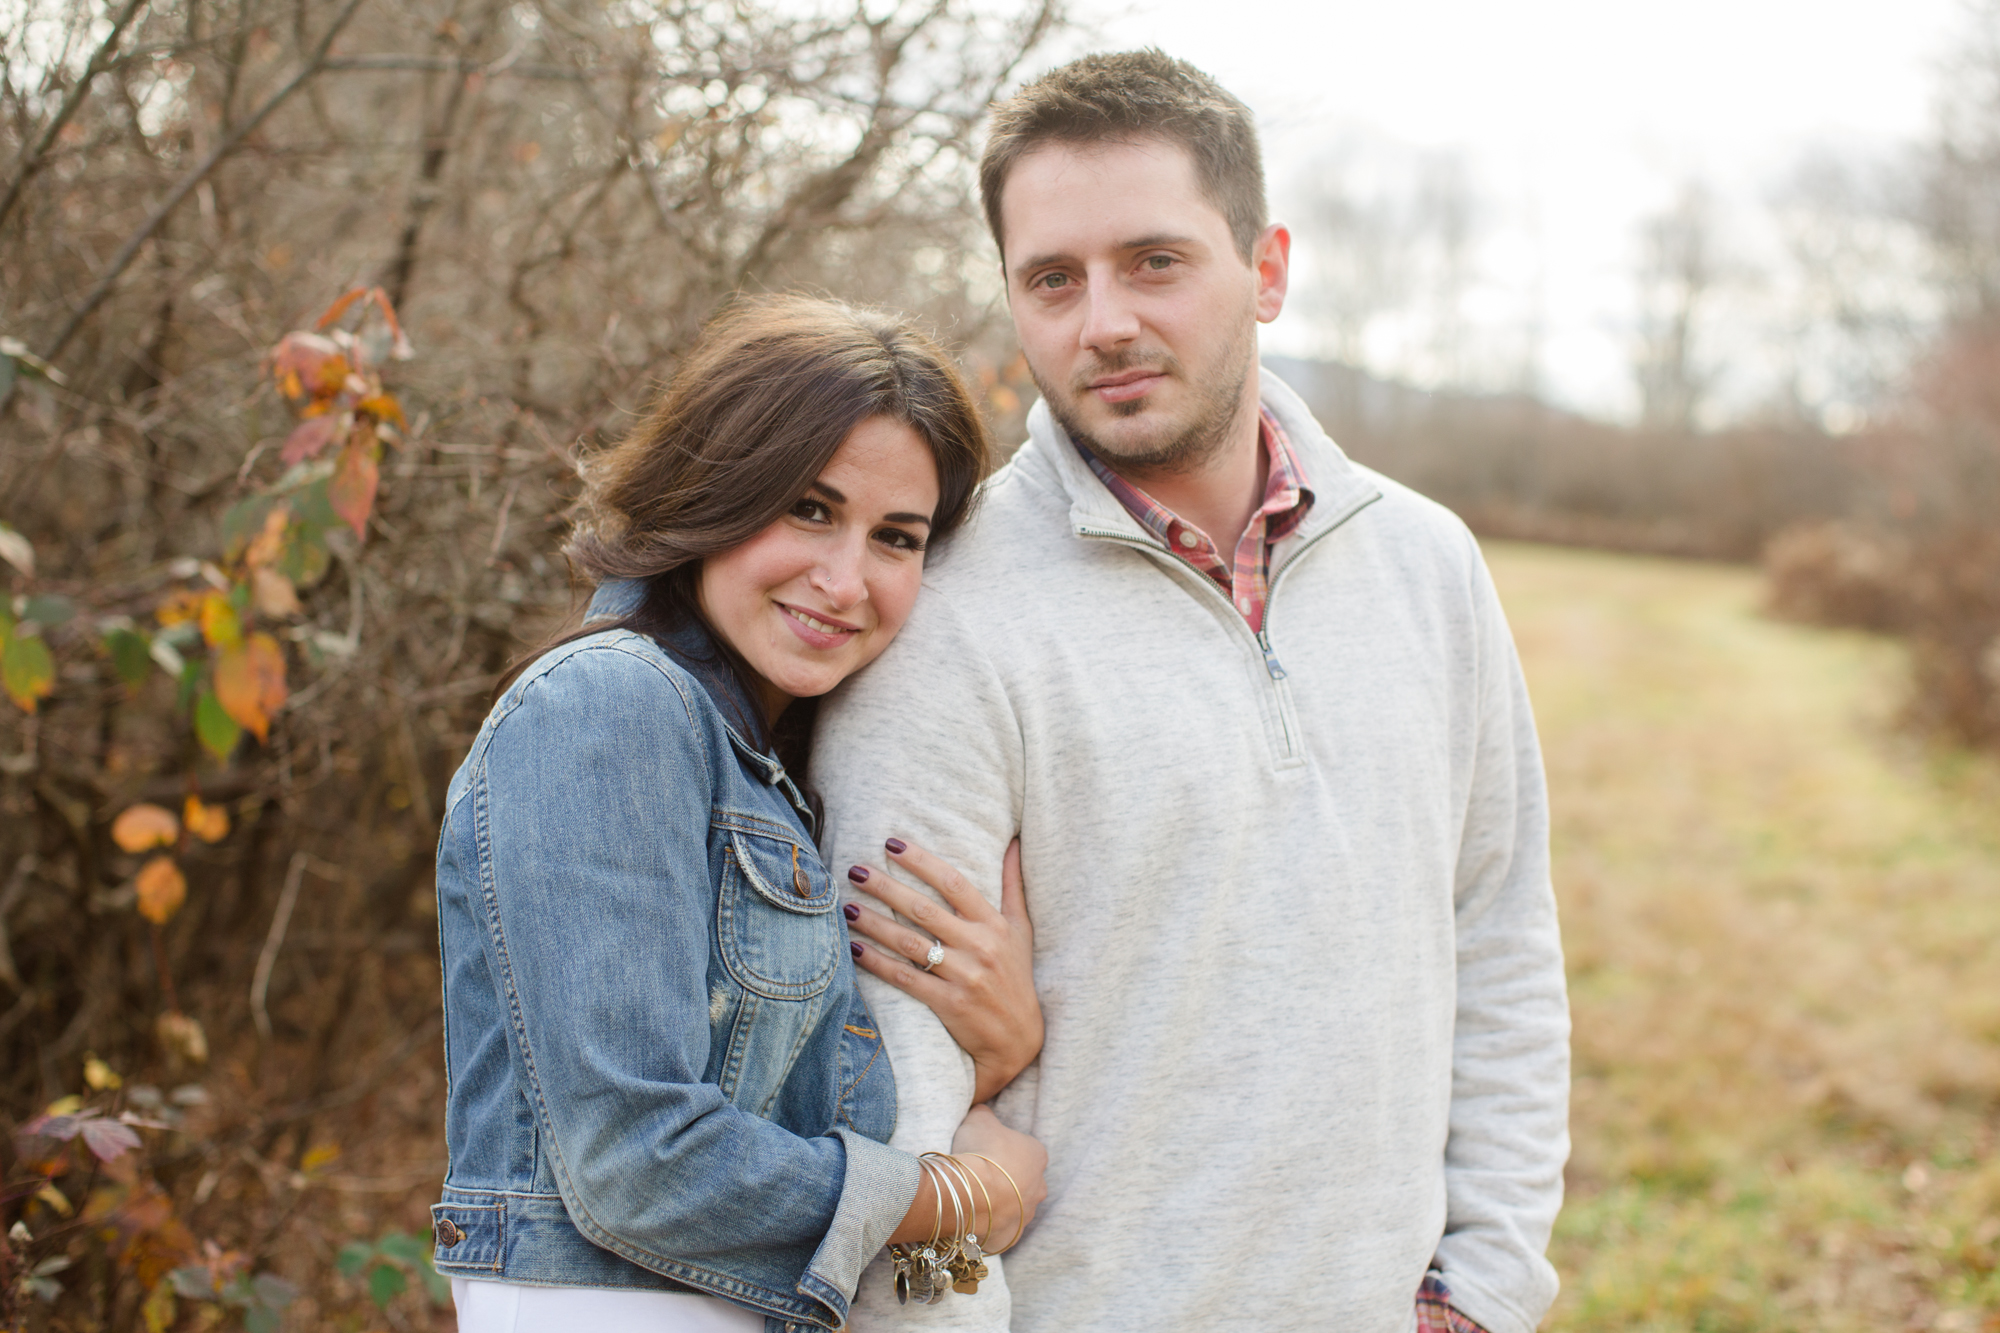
(1270, 658)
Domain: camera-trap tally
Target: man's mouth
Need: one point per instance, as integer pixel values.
(1126, 385)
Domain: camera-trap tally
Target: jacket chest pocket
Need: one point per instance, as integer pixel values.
(779, 934)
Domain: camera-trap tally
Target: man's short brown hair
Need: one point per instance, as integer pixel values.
(1126, 96)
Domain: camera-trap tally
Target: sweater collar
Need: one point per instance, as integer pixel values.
(1340, 488)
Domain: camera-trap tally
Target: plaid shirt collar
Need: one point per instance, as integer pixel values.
(1288, 497)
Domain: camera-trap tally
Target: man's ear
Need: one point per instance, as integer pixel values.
(1271, 257)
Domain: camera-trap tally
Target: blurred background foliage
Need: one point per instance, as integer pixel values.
(309, 311)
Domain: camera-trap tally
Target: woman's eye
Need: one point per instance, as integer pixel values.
(900, 540)
(812, 511)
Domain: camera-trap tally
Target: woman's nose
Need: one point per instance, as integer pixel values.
(838, 577)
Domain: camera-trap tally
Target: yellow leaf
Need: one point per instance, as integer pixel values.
(55, 1199)
(145, 826)
(250, 683)
(381, 406)
(162, 888)
(320, 1155)
(180, 608)
(100, 1075)
(210, 823)
(69, 1105)
(219, 622)
(160, 1309)
(272, 594)
(27, 670)
(267, 665)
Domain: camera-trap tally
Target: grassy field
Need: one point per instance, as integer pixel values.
(1782, 920)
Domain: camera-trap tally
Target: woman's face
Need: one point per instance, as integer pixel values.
(816, 595)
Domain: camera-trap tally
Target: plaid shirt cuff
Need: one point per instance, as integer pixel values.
(1434, 1312)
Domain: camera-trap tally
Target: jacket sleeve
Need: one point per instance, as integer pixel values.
(591, 813)
(1509, 1127)
(923, 745)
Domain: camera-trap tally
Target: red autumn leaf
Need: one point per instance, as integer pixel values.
(309, 437)
(352, 490)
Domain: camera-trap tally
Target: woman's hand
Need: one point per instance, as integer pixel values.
(983, 989)
(995, 1154)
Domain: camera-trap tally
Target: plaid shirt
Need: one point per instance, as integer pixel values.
(1434, 1312)
(1247, 582)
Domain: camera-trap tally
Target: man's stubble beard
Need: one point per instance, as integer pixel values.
(1218, 397)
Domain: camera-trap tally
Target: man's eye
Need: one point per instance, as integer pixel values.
(1051, 281)
(1158, 263)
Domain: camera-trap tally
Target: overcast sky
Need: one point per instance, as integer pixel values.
(1578, 116)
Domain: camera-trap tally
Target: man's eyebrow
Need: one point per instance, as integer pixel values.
(839, 499)
(1140, 243)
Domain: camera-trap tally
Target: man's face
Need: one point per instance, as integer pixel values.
(1137, 315)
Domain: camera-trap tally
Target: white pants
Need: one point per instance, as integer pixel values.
(509, 1307)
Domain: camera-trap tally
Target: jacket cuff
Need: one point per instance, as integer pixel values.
(878, 1188)
(1485, 1308)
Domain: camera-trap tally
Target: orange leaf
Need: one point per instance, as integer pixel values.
(309, 437)
(352, 490)
(272, 594)
(340, 307)
(236, 690)
(383, 407)
(145, 826)
(180, 608)
(210, 823)
(267, 665)
(308, 365)
(269, 542)
(162, 888)
(219, 622)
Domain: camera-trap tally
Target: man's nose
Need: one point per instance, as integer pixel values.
(1109, 320)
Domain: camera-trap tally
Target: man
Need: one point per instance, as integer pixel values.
(1256, 718)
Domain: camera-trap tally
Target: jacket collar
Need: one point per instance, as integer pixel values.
(1339, 487)
(693, 649)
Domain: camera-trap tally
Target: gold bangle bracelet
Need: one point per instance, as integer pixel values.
(973, 1176)
(1022, 1224)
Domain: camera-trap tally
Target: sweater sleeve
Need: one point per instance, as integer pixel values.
(1509, 1130)
(924, 746)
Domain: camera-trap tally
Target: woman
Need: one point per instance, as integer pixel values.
(668, 1105)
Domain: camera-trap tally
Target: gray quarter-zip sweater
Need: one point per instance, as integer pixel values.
(1294, 934)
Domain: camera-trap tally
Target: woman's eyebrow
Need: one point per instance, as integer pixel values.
(839, 499)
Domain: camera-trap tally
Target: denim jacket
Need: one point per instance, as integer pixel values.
(660, 1072)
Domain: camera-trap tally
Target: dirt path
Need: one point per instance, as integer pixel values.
(1783, 929)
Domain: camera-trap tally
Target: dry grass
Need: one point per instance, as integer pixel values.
(1781, 920)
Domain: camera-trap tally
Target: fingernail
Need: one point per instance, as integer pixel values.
(851, 911)
(854, 948)
(859, 874)
(897, 846)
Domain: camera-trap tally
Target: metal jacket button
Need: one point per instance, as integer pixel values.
(448, 1233)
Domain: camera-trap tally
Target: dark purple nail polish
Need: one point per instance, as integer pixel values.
(854, 948)
(859, 874)
(851, 911)
(897, 846)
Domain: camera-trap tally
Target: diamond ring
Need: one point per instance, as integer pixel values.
(934, 957)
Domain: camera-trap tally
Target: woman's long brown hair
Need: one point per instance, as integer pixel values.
(752, 416)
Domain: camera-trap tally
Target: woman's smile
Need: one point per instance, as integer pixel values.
(817, 630)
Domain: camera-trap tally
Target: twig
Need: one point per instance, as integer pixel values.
(17, 884)
(500, 524)
(30, 160)
(260, 981)
(130, 250)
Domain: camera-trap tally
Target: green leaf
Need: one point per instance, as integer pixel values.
(385, 1283)
(244, 520)
(261, 1319)
(272, 1292)
(49, 609)
(27, 670)
(6, 374)
(402, 1247)
(312, 505)
(436, 1285)
(194, 1282)
(190, 680)
(131, 654)
(304, 559)
(353, 1257)
(215, 729)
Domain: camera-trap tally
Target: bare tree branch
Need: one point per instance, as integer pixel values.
(32, 156)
